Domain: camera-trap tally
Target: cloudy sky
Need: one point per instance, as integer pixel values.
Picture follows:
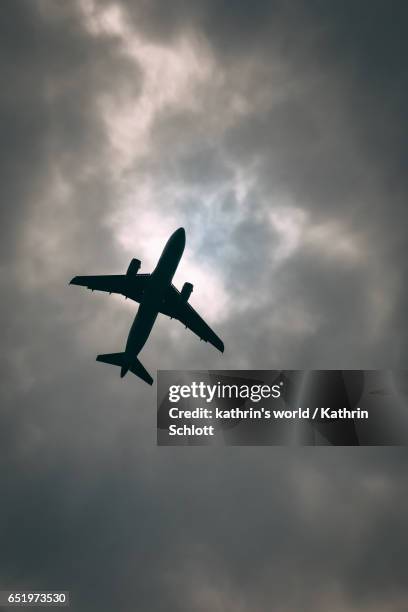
(275, 132)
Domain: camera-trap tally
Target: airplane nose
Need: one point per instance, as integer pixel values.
(180, 234)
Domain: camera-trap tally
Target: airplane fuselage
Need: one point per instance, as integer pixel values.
(159, 282)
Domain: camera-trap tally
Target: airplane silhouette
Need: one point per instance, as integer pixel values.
(155, 293)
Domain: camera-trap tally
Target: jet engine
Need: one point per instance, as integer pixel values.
(133, 268)
(186, 291)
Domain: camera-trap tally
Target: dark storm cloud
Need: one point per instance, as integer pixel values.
(53, 73)
(335, 142)
(306, 100)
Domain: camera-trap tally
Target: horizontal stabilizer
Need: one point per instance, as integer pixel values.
(119, 359)
(112, 358)
(137, 368)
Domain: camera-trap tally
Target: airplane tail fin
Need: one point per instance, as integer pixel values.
(134, 366)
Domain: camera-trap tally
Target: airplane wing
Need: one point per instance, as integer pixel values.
(174, 306)
(129, 286)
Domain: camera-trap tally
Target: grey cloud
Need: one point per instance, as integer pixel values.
(88, 501)
(54, 73)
